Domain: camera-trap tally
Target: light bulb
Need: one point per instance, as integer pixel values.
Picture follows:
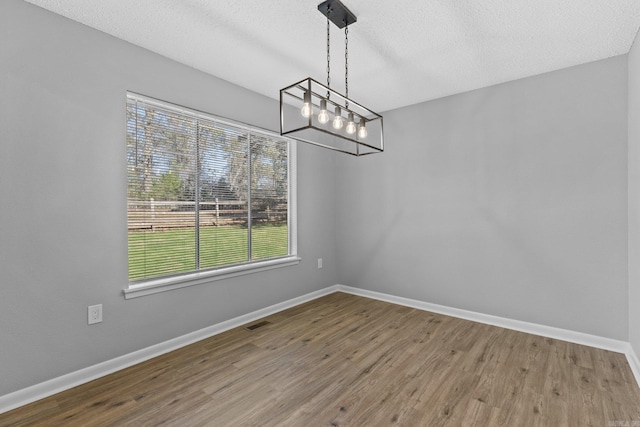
(307, 110)
(351, 125)
(338, 121)
(323, 115)
(362, 130)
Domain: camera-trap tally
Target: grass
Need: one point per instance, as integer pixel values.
(160, 253)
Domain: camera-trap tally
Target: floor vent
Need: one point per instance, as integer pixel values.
(257, 325)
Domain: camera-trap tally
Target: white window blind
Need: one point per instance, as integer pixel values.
(204, 194)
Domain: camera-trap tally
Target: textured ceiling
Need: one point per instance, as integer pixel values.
(400, 52)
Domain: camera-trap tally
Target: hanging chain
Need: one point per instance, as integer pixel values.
(346, 65)
(328, 54)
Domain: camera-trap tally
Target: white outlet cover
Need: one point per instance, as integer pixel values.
(94, 314)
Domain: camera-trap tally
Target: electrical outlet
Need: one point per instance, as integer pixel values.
(94, 314)
(319, 262)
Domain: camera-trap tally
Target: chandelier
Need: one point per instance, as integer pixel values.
(314, 113)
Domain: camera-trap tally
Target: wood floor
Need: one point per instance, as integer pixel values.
(344, 360)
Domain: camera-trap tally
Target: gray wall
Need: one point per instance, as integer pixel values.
(634, 196)
(509, 200)
(63, 233)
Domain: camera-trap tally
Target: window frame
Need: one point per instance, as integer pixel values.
(142, 287)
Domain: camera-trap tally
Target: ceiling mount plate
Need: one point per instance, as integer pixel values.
(337, 13)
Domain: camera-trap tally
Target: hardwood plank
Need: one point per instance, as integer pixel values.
(346, 360)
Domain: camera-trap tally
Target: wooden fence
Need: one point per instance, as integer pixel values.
(161, 215)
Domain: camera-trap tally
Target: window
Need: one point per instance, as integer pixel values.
(206, 198)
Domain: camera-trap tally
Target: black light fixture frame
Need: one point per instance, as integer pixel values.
(339, 140)
(308, 129)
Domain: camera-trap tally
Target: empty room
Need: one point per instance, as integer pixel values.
(320, 213)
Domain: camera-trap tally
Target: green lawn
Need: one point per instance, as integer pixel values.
(161, 253)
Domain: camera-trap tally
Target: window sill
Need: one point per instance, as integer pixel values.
(151, 287)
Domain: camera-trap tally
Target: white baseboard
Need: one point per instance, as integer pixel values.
(634, 363)
(517, 325)
(39, 391)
